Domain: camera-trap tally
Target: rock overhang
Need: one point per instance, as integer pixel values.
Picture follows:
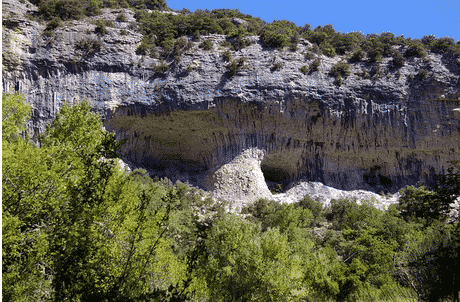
(119, 79)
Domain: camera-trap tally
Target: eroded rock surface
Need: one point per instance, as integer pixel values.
(376, 133)
(241, 181)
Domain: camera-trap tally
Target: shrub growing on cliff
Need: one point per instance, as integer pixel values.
(428, 40)
(304, 69)
(295, 39)
(227, 55)
(240, 43)
(121, 17)
(308, 55)
(278, 33)
(398, 59)
(375, 55)
(143, 48)
(422, 74)
(341, 68)
(53, 24)
(344, 43)
(88, 45)
(357, 56)
(239, 31)
(206, 44)
(322, 34)
(101, 26)
(235, 66)
(277, 66)
(63, 9)
(415, 49)
(226, 25)
(327, 49)
(445, 45)
(160, 68)
(315, 64)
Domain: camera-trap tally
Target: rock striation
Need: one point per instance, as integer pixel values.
(378, 133)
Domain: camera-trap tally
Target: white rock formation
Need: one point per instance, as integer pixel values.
(326, 194)
(241, 181)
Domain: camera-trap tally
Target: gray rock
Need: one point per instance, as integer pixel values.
(241, 181)
(116, 80)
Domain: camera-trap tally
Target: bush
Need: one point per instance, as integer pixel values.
(226, 25)
(327, 49)
(227, 55)
(226, 44)
(278, 34)
(388, 38)
(340, 69)
(375, 55)
(197, 35)
(241, 43)
(295, 39)
(308, 55)
(123, 32)
(101, 26)
(315, 207)
(415, 49)
(387, 50)
(180, 45)
(62, 9)
(53, 24)
(357, 56)
(444, 45)
(398, 59)
(315, 49)
(160, 68)
(422, 74)
(143, 48)
(206, 44)
(428, 40)
(304, 69)
(239, 32)
(315, 64)
(277, 66)
(235, 66)
(121, 17)
(376, 70)
(322, 34)
(338, 80)
(346, 42)
(167, 47)
(345, 213)
(88, 45)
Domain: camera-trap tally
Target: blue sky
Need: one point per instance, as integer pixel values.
(404, 17)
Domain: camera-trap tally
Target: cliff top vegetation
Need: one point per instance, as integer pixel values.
(163, 30)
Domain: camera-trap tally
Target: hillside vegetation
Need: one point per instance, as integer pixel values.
(76, 228)
(165, 31)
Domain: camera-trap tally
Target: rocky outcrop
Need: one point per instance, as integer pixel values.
(241, 181)
(380, 132)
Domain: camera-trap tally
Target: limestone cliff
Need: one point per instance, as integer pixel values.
(379, 132)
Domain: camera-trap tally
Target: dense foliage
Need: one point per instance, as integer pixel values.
(76, 227)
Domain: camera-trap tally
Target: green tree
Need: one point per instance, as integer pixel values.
(15, 115)
(421, 205)
(429, 262)
(74, 227)
(244, 265)
(278, 33)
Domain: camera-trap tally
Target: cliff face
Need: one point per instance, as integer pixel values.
(376, 133)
